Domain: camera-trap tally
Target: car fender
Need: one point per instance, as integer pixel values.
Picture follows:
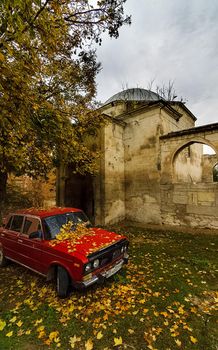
(52, 269)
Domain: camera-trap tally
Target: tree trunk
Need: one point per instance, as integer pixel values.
(3, 186)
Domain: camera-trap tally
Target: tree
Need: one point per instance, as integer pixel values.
(47, 82)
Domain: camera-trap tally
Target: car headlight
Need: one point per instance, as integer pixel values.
(88, 267)
(124, 248)
(96, 263)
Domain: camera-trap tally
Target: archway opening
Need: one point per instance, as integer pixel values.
(215, 173)
(79, 192)
(194, 162)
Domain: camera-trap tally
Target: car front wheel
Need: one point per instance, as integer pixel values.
(63, 282)
(3, 259)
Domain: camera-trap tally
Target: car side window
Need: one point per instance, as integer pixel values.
(8, 225)
(17, 223)
(31, 225)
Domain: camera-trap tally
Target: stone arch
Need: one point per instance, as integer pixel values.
(187, 160)
(187, 141)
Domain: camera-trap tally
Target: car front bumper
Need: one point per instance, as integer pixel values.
(104, 274)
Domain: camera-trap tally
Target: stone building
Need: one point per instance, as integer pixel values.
(152, 167)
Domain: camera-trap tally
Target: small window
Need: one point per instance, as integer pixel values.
(215, 173)
(17, 223)
(31, 225)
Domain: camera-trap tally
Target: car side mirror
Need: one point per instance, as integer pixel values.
(36, 234)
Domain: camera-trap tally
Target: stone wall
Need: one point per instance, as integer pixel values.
(142, 178)
(113, 174)
(189, 204)
(209, 161)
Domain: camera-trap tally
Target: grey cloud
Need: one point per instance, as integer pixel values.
(168, 40)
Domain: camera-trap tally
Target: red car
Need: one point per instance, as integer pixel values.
(30, 238)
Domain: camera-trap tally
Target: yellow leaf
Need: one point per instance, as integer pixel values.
(38, 321)
(181, 311)
(99, 335)
(131, 331)
(145, 311)
(41, 334)
(53, 335)
(178, 342)
(13, 319)
(193, 309)
(28, 332)
(2, 325)
(47, 342)
(2, 57)
(118, 341)
(135, 312)
(193, 340)
(73, 341)
(19, 323)
(142, 301)
(9, 334)
(89, 344)
(40, 328)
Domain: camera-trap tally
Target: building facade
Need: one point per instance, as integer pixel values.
(152, 167)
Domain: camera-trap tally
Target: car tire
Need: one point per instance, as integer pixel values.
(3, 259)
(62, 282)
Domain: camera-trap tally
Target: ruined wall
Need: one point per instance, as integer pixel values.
(142, 194)
(209, 161)
(189, 204)
(188, 164)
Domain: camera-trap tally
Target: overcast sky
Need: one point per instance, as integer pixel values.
(173, 40)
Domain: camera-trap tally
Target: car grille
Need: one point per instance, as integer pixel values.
(109, 254)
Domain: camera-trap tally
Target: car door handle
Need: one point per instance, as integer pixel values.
(20, 240)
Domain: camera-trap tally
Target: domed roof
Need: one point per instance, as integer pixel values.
(136, 94)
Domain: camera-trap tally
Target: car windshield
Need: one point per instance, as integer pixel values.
(54, 223)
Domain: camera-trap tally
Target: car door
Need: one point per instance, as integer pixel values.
(30, 248)
(9, 236)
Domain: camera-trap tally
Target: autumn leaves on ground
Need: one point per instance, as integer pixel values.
(165, 298)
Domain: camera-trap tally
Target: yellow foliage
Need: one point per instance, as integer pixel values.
(178, 342)
(89, 344)
(19, 323)
(74, 340)
(193, 340)
(2, 325)
(9, 334)
(71, 236)
(99, 335)
(118, 341)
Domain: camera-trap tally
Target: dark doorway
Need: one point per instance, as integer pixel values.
(79, 193)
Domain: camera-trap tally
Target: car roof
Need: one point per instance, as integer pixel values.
(46, 212)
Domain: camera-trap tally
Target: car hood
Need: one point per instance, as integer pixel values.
(88, 244)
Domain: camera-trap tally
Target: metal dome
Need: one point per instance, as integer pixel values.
(136, 94)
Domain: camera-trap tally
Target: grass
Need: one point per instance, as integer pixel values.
(165, 298)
